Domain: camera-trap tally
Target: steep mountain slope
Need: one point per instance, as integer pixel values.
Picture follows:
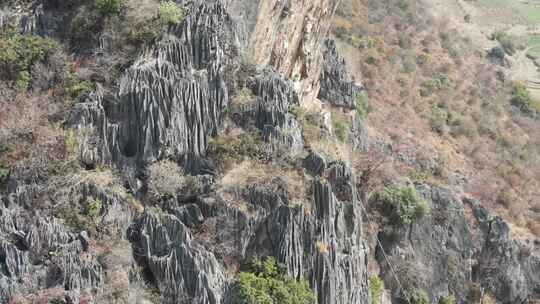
(149, 151)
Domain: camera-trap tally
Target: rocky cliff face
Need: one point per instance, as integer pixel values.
(168, 104)
(95, 233)
(288, 35)
(446, 255)
(170, 101)
(336, 86)
(323, 242)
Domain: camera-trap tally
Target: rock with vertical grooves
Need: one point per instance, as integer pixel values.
(444, 254)
(509, 269)
(336, 86)
(275, 98)
(170, 101)
(323, 244)
(182, 269)
(38, 253)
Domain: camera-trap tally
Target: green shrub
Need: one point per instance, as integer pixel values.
(438, 119)
(80, 88)
(23, 80)
(170, 13)
(372, 60)
(93, 209)
(438, 83)
(71, 142)
(506, 41)
(108, 7)
(522, 99)
(266, 283)
(341, 126)
(376, 289)
(419, 175)
(403, 204)
(417, 296)
(447, 300)
(18, 53)
(228, 150)
(362, 105)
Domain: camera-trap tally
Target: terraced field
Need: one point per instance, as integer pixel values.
(528, 11)
(533, 44)
(521, 19)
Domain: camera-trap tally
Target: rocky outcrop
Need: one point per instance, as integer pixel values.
(288, 35)
(48, 235)
(322, 241)
(431, 255)
(444, 255)
(170, 101)
(336, 86)
(275, 98)
(184, 271)
(507, 268)
(38, 253)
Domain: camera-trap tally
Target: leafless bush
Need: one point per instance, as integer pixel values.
(166, 178)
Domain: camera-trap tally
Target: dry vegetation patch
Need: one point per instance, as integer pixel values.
(434, 92)
(236, 181)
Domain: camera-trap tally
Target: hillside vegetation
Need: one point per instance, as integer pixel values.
(450, 114)
(269, 152)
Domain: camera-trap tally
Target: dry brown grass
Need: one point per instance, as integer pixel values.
(247, 173)
(468, 122)
(165, 177)
(317, 127)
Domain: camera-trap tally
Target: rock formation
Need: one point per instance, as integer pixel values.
(336, 86)
(94, 233)
(322, 241)
(443, 256)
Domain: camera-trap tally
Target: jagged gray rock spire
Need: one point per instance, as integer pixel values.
(170, 101)
(184, 271)
(39, 252)
(511, 271)
(322, 243)
(337, 88)
(274, 103)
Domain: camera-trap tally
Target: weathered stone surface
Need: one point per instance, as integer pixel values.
(183, 270)
(322, 244)
(315, 163)
(40, 21)
(275, 98)
(288, 35)
(336, 86)
(441, 254)
(170, 101)
(505, 267)
(433, 254)
(38, 252)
